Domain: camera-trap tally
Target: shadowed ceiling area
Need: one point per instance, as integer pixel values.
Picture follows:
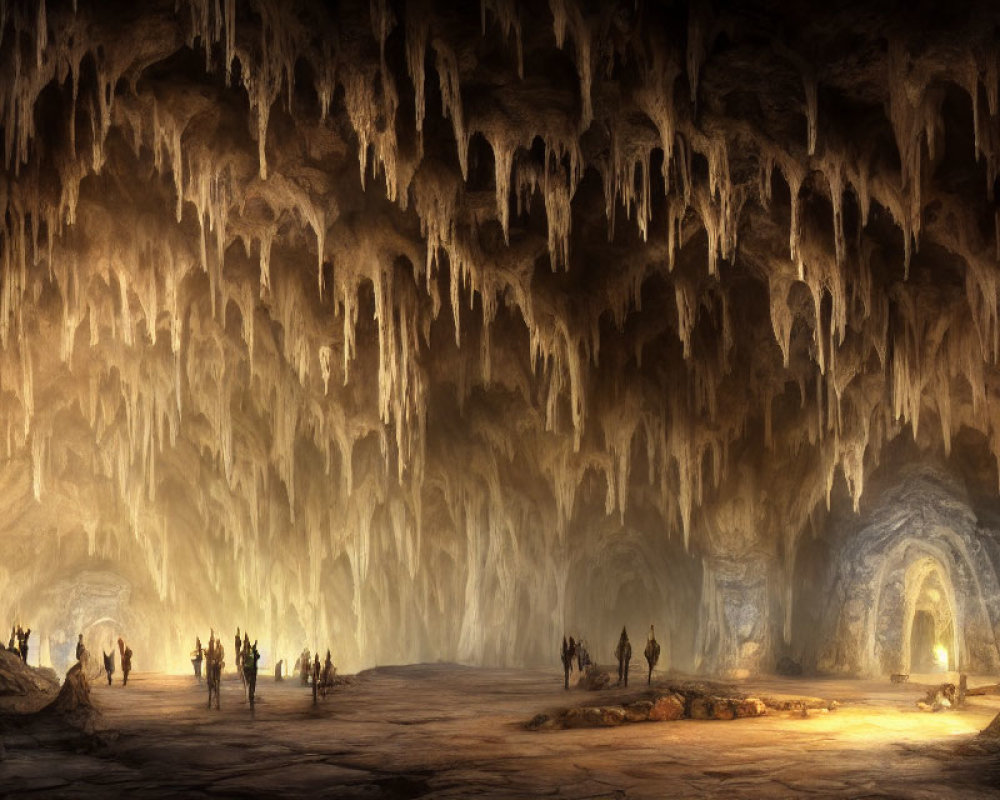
(436, 331)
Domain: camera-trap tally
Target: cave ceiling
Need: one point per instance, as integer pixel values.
(356, 317)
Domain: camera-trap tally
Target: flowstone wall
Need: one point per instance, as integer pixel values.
(919, 549)
(433, 330)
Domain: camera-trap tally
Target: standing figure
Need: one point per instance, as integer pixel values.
(250, 658)
(197, 657)
(210, 666)
(24, 645)
(214, 662)
(80, 649)
(238, 651)
(305, 664)
(568, 649)
(652, 654)
(315, 677)
(109, 664)
(238, 658)
(326, 682)
(623, 652)
(277, 670)
(126, 661)
(244, 654)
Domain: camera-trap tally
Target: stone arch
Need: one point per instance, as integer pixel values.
(922, 525)
(908, 567)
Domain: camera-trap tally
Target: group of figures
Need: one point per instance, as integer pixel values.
(573, 649)
(18, 643)
(109, 658)
(214, 658)
(322, 677)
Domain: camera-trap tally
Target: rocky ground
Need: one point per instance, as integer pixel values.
(447, 731)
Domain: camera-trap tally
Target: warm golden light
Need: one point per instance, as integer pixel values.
(941, 656)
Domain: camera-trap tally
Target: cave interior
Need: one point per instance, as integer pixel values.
(435, 332)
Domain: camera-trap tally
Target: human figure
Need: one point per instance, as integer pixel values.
(215, 661)
(326, 682)
(245, 652)
(24, 645)
(198, 656)
(315, 678)
(652, 654)
(568, 649)
(80, 649)
(305, 664)
(277, 670)
(109, 664)
(210, 666)
(126, 662)
(239, 651)
(250, 658)
(583, 654)
(623, 652)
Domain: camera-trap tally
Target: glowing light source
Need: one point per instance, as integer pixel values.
(941, 656)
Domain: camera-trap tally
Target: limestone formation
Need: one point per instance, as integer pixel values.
(488, 321)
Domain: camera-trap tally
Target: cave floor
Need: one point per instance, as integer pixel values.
(449, 731)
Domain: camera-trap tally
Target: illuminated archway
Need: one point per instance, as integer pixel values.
(930, 635)
(916, 624)
(920, 551)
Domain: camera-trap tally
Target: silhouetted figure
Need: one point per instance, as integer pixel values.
(250, 658)
(109, 664)
(623, 652)
(277, 670)
(245, 652)
(214, 662)
(80, 649)
(198, 655)
(315, 678)
(326, 681)
(652, 654)
(582, 655)
(126, 660)
(305, 664)
(23, 644)
(568, 650)
(238, 664)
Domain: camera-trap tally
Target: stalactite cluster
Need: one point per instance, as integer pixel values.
(408, 327)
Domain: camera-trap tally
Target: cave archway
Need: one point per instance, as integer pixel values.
(930, 636)
(923, 594)
(920, 548)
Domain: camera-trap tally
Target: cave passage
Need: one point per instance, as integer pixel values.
(431, 333)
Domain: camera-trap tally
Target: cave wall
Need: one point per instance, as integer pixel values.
(922, 524)
(429, 331)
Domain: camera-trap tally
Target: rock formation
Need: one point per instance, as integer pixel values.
(437, 330)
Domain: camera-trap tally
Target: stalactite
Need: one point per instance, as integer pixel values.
(451, 99)
(147, 236)
(812, 112)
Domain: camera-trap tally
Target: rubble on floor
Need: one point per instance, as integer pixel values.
(667, 703)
